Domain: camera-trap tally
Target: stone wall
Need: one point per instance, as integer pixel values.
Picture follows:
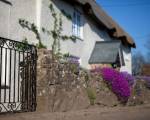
(63, 87)
(57, 84)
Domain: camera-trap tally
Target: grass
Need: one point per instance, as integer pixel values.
(91, 95)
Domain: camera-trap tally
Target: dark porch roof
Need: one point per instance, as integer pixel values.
(105, 52)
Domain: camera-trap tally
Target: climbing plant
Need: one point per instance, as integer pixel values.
(32, 27)
(55, 32)
(21, 46)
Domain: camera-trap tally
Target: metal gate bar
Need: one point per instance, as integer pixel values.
(17, 76)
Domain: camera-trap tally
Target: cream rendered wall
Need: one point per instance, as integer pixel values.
(25, 9)
(127, 59)
(4, 19)
(47, 22)
(91, 33)
(37, 11)
(10, 28)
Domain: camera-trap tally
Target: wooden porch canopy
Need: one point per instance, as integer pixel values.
(106, 52)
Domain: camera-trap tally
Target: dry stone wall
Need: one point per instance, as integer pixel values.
(57, 86)
(61, 86)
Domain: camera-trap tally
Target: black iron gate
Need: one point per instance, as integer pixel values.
(17, 76)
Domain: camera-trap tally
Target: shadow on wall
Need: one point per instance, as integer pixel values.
(97, 29)
(6, 1)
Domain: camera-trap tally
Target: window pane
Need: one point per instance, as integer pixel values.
(76, 24)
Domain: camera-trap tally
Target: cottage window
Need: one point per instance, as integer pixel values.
(76, 24)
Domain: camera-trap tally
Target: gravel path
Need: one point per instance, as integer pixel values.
(118, 113)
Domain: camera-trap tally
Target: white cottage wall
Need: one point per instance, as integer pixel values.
(127, 59)
(37, 11)
(4, 19)
(24, 9)
(91, 33)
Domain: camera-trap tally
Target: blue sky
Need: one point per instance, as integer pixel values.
(133, 16)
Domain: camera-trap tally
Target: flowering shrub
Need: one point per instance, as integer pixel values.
(117, 81)
(108, 73)
(121, 87)
(128, 77)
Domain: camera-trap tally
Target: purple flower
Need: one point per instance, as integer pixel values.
(118, 83)
(128, 77)
(121, 87)
(108, 73)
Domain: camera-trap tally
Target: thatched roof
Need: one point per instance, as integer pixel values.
(92, 8)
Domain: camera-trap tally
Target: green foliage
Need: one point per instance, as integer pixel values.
(87, 79)
(56, 31)
(32, 27)
(74, 68)
(65, 37)
(40, 45)
(66, 55)
(91, 95)
(22, 46)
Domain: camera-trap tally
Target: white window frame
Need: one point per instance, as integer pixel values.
(77, 28)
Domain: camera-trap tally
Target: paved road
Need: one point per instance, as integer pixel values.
(127, 113)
